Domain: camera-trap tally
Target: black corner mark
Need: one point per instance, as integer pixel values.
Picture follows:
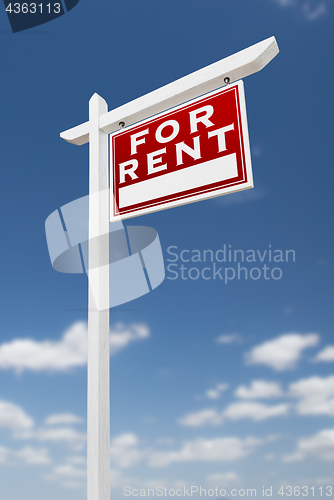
(25, 15)
(70, 4)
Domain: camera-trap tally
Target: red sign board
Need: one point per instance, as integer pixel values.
(189, 153)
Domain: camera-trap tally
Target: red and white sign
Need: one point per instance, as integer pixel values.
(190, 153)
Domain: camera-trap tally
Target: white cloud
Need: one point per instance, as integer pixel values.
(285, 3)
(216, 391)
(230, 338)
(13, 417)
(121, 336)
(281, 353)
(165, 441)
(212, 394)
(149, 420)
(77, 459)
(124, 451)
(241, 197)
(312, 386)
(254, 411)
(33, 456)
(118, 480)
(327, 354)
(69, 352)
(235, 411)
(63, 418)
(324, 480)
(315, 394)
(313, 13)
(4, 454)
(73, 485)
(226, 449)
(208, 416)
(69, 475)
(67, 478)
(220, 479)
(28, 354)
(272, 438)
(68, 470)
(259, 389)
(74, 439)
(311, 9)
(320, 445)
(27, 456)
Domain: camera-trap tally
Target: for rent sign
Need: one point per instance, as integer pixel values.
(190, 153)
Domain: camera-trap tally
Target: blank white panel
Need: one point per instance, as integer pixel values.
(193, 177)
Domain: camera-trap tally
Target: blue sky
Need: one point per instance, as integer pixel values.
(212, 383)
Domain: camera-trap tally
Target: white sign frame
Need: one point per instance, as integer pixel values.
(193, 198)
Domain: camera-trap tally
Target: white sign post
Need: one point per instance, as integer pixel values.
(98, 412)
(95, 131)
